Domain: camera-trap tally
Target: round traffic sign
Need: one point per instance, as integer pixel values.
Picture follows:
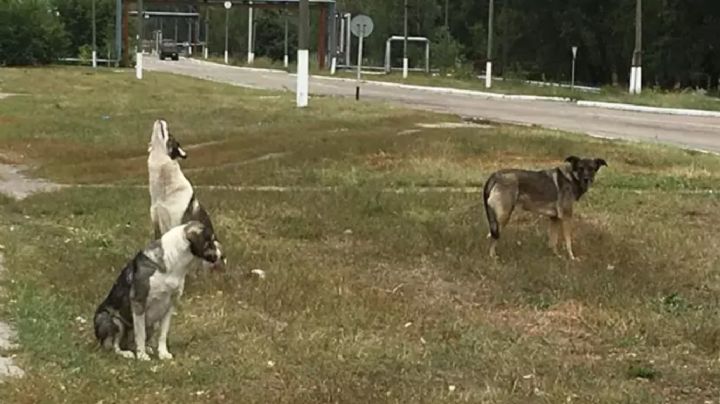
(227, 5)
(361, 25)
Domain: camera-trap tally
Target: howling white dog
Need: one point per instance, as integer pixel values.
(172, 199)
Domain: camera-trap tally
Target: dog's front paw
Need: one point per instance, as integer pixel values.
(142, 356)
(165, 355)
(126, 354)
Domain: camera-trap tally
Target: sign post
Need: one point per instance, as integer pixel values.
(227, 20)
(361, 26)
(572, 79)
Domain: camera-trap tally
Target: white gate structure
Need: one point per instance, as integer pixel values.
(388, 50)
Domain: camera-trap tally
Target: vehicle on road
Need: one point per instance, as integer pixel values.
(168, 49)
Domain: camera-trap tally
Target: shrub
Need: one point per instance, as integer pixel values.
(30, 33)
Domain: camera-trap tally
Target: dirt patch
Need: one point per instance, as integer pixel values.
(8, 369)
(563, 324)
(453, 125)
(16, 185)
(265, 157)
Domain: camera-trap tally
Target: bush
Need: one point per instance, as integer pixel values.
(445, 50)
(30, 33)
(85, 53)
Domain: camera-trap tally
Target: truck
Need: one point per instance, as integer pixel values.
(168, 49)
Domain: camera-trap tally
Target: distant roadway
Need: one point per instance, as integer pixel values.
(701, 133)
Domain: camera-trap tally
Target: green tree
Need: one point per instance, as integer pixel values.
(30, 33)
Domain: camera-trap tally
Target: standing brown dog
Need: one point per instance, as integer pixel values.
(548, 192)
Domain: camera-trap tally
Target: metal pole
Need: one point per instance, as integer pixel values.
(303, 67)
(94, 43)
(286, 59)
(250, 54)
(197, 32)
(488, 65)
(572, 79)
(333, 38)
(342, 34)
(427, 57)
(348, 40)
(405, 43)
(636, 69)
(359, 64)
(206, 49)
(118, 31)
(190, 38)
(139, 55)
(227, 21)
(447, 24)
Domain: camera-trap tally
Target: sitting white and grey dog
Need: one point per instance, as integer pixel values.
(144, 295)
(172, 198)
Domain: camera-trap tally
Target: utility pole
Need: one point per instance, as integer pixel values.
(286, 58)
(206, 50)
(227, 5)
(303, 73)
(94, 45)
(447, 25)
(488, 65)
(251, 24)
(636, 69)
(139, 54)
(405, 43)
(572, 75)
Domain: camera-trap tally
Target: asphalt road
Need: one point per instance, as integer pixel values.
(701, 133)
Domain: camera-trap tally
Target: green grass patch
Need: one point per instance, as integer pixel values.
(370, 296)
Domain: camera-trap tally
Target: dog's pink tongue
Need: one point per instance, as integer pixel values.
(218, 266)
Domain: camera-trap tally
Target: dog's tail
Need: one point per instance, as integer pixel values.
(105, 327)
(491, 216)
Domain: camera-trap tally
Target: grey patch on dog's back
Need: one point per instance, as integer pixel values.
(144, 269)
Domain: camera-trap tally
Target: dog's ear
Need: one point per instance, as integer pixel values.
(600, 163)
(573, 160)
(178, 152)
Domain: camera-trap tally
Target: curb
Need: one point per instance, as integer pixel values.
(654, 110)
(439, 90)
(488, 95)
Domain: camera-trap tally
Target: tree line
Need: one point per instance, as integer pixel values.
(532, 38)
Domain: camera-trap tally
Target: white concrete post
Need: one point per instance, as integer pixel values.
(488, 74)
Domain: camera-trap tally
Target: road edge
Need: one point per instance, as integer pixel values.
(488, 95)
